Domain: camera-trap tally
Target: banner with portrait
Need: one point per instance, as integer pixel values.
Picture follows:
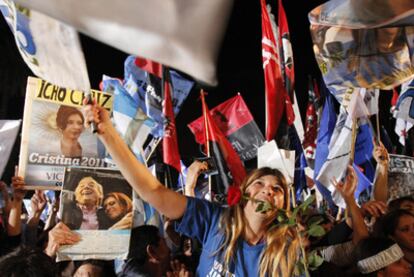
(97, 204)
(53, 134)
(400, 176)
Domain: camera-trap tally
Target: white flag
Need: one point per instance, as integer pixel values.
(185, 35)
(50, 48)
(269, 155)
(8, 134)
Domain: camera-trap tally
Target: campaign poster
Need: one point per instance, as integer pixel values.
(53, 133)
(400, 176)
(96, 203)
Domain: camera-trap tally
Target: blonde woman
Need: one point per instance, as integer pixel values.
(237, 241)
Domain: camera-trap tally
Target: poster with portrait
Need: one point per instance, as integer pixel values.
(53, 133)
(400, 176)
(97, 204)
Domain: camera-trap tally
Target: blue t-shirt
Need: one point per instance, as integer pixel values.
(201, 221)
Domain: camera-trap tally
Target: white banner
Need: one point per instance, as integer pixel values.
(182, 34)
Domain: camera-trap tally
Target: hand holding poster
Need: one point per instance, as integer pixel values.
(53, 133)
(400, 176)
(96, 203)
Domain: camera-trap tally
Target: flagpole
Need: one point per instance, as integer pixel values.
(378, 129)
(354, 135)
(207, 138)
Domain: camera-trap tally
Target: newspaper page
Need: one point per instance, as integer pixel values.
(96, 203)
(400, 176)
(53, 134)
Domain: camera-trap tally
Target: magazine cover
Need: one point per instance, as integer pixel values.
(96, 203)
(400, 176)
(53, 134)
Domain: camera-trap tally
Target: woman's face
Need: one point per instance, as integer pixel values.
(267, 188)
(399, 268)
(74, 127)
(404, 233)
(113, 208)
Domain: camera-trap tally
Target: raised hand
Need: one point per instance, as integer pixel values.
(18, 185)
(194, 170)
(380, 154)
(38, 203)
(347, 188)
(374, 208)
(99, 115)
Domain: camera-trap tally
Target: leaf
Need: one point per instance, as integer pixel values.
(314, 260)
(305, 205)
(316, 231)
(315, 220)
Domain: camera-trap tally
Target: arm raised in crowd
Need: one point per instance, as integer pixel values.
(166, 201)
(381, 156)
(194, 170)
(347, 190)
(37, 203)
(14, 224)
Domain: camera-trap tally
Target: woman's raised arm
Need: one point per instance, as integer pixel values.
(166, 201)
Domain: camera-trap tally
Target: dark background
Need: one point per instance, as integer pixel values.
(239, 69)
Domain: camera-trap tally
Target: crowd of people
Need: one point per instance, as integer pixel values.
(202, 238)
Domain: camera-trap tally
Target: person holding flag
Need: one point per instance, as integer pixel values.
(236, 240)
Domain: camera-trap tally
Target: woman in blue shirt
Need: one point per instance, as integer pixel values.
(237, 241)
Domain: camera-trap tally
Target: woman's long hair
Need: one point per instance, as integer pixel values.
(281, 251)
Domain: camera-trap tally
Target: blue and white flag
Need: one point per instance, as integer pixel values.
(340, 144)
(404, 111)
(365, 43)
(146, 90)
(130, 121)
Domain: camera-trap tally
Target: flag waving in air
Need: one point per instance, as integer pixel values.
(171, 154)
(235, 121)
(276, 97)
(231, 171)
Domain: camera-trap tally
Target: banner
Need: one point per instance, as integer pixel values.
(97, 204)
(8, 133)
(400, 176)
(53, 134)
(367, 44)
(50, 48)
(186, 35)
(235, 121)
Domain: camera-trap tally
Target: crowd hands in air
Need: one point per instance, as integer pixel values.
(250, 237)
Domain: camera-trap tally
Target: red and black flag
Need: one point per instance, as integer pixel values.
(231, 171)
(235, 121)
(277, 99)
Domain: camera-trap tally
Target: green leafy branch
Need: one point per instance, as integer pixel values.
(305, 226)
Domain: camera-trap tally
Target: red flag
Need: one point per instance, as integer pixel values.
(276, 96)
(152, 67)
(219, 147)
(169, 143)
(286, 52)
(235, 121)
